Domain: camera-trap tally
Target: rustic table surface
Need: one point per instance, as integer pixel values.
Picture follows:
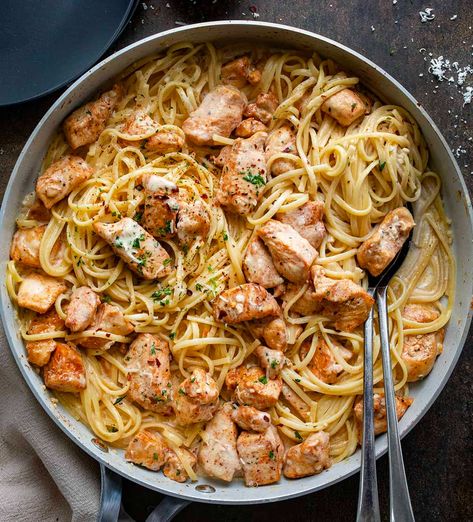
(439, 451)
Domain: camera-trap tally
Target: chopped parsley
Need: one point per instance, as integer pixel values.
(198, 287)
(155, 456)
(353, 107)
(137, 240)
(382, 164)
(272, 456)
(116, 214)
(297, 380)
(112, 429)
(193, 379)
(79, 261)
(153, 349)
(160, 294)
(167, 229)
(185, 249)
(167, 261)
(263, 379)
(210, 268)
(181, 391)
(119, 400)
(274, 363)
(157, 398)
(106, 299)
(138, 217)
(298, 435)
(255, 179)
(225, 236)
(178, 472)
(118, 243)
(172, 335)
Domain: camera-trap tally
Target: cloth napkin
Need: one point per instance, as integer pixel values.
(44, 476)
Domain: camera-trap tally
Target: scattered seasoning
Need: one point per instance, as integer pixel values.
(181, 391)
(198, 287)
(167, 261)
(153, 349)
(272, 456)
(172, 335)
(119, 400)
(138, 217)
(274, 363)
(298, 435)
(137, 240)
(255, 179)
(158, 295)
(193, 379)
(225, 236)
(263, 379)
(105, 298)
(382, 164)
(112, 429)
(155, 456)
(297, 380)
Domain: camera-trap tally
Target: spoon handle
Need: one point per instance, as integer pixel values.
(399, 499)
(368, 504)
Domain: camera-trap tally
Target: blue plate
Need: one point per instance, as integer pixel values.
(46, 44)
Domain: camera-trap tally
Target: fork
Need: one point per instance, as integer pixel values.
(399, 499)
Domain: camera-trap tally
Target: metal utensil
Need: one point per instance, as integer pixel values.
(399, 499)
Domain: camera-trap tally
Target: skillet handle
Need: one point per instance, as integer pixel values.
(110, 495)
(167, 509)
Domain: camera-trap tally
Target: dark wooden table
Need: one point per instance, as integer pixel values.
(438, 452)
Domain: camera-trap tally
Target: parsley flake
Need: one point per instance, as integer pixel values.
(382, 164)
(274, 363)
(272, 456)
(255, 179)
(119, 400)
(181, 392)
(298, 435)
(263, 379)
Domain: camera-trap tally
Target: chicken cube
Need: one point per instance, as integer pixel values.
(244, 303)
(273, 331)
(197, 398)
(173, 468)
(295, 402)
(81, 310)
(308, 303)
(193, 222)
(219, 113)
(281, 140)
(419, 352)
(148, 365)
(25, 245)
(243, 175)
(165, 141)
(343, 301)
(85, 124)
(345, 106)
(251, 387)
(142, 253)
(262, 456)
(251, 419)
(61, 178)
(292, 254)
(161, 206)
(249, 127)
(307, 220)
(65, 371)
(263, 107)
(309, 457)
(108, 320)
(39, 352)
(380, 421)
(139, 123)
(323, 363)
(239, 71)
(273, 361)
(381, 247)
(218, 455)
(38, 292)
(258, 265)
(147, 449)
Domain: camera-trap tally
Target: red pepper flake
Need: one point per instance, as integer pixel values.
(253, 8)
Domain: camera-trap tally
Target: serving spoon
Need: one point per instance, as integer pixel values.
(399, 499)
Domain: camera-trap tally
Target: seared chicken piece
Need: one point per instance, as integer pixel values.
(273, 361)
(251, 387)
(142, 253)
(239, 71)
(381, 247)
(65, 371)
(197, 398)
(292, 254)
(85, 124)
(323, 364)
(258, 265)
(138, 123)
(295, 402)
(25, 245)
(193, 222)
(218, 455)
(380, 422)
(39, 352)
(149, 374)
(223, 156)
(419, 352)
(219, 113)
(61, 178)
(343, 301)
(81, 310)
(262, 456)
(243, 175)
(273, 331)
(309, 457)
(249, 127)
(244, 303)
(251, 419)
(147, 449)
(161, 206)
(109, 319)
(307, 304)
(281, 140)
(345, 106)
(165, 141)
(38, 292)
(173, 468)
(307, 220)
(263, 107)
